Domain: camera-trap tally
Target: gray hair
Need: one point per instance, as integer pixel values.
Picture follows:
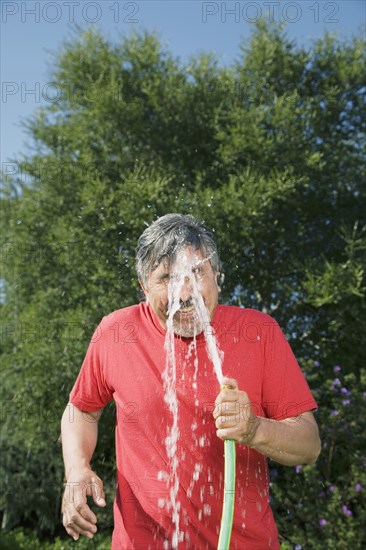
(166, 235)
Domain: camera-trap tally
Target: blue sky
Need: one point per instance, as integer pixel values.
(30, 30)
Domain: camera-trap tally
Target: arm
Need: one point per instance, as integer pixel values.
(79, 432)
(290, 442)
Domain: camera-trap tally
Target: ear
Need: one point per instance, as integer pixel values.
(219, 280)
(144, 289)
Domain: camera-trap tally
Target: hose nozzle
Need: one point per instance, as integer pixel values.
(226, 387)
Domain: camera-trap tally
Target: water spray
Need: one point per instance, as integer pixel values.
(183, 271)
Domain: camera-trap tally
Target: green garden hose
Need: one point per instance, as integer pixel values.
(229, 493)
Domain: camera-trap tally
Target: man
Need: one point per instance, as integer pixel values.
(266, 408)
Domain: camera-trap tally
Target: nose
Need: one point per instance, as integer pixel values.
(186, 290)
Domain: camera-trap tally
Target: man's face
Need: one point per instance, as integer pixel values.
(189, 275)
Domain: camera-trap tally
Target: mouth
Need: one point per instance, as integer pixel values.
(186, 310)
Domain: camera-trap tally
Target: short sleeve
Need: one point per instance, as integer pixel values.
(285, 391)
(91, 391)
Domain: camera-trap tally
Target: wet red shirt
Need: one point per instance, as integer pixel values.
(125, 362)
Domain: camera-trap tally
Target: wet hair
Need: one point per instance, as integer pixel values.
(165, 236)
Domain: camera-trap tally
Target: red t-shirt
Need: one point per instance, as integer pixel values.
(125, 361)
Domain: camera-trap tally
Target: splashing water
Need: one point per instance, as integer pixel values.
(183, 274)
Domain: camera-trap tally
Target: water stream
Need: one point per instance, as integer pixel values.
(183, 273)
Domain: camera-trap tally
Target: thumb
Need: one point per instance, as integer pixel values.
(97, 491)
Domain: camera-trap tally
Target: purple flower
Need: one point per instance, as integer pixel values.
(316, 363)
(322, 522)
(273, 473)
(364, 393)
(345, 391)
(298, 547)
(298, 468)
(358, 487)
(346, 510)
(337, 368)
(336, 382)
(346, 401)
(331, 488)
(321, 494)
(334, 413)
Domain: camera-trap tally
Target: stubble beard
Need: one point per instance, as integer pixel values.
(187, 328)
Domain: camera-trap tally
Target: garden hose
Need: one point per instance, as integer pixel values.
(229, 492)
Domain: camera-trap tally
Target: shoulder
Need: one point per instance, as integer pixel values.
(124, 315)
(118, 323)
(244, 315)
(250, 324)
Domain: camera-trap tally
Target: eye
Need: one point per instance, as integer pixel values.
(164, 278)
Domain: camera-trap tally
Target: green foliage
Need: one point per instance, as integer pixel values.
(25, 539)
(270, 153)
(336, 291)
(318, 505)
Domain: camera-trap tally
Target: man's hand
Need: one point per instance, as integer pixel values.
(234, 415)
(78, 518)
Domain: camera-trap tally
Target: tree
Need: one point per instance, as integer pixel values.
(269, 152)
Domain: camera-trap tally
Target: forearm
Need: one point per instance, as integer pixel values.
(289, 442)
(79, 433)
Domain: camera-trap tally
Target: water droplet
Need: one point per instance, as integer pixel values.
(206, 510)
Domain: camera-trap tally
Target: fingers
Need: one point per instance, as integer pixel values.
(243, 431)
(229, 402)
(75, 525)
(230, 414)
(233, 413)
(86, 515)
(231, 393)
(74, 530)
(78, 519)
